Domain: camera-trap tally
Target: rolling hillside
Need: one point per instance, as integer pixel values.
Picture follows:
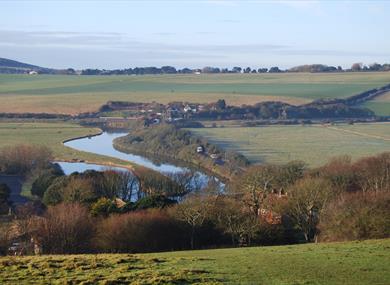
(77, 94)
(354, 263)
(9, 66)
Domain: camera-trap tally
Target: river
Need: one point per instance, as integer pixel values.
(103, 145)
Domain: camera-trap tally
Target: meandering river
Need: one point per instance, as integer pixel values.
(103, 145)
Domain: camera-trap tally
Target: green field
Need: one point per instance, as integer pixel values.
(52, 135)
(380, 105)
(75, 94)
(312, 144)
(351, 263)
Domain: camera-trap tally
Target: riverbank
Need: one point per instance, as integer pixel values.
(167, 141)
(104, 164)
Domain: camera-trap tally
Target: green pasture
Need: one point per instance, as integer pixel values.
(313, 144)
(75, 94)
(350, 263)
(380, 105)
(52, 134)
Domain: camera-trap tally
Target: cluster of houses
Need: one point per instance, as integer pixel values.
(155, 113)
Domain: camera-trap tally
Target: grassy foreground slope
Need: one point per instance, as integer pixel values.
(52, 135)
(313, 144)
(352, 263)
(75, 94)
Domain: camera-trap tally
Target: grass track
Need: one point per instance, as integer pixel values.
(75, 94)
(354, 263)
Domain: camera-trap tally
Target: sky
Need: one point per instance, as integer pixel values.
(223, 33)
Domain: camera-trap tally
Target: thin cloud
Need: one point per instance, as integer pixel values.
(228, 3)
(231, 21)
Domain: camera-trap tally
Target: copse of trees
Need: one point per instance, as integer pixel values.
(64, 228)
(356, 216)
(23, 159)
(88, 187)
(45, 179)
(144, 231)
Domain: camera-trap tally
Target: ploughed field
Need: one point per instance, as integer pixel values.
(76, 94)
(347, 263)
(52, 135)
(313, 144)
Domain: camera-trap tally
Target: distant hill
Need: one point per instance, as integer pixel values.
(10, 66)
(13, 66)
(4, 62)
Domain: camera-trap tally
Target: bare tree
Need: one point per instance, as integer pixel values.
(255, 185)
(65, 228)
(306, 201)
(21, 159)
(121, 184)
(235, 220)
(374, 173)
(194, 211)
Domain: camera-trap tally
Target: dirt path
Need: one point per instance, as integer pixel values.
(358, 133)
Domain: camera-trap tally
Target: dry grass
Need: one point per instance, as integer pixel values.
(76, 103)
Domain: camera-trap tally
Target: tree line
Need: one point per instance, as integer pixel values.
(312, 68)
(112, 211)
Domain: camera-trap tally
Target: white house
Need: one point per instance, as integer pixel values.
(200, 149)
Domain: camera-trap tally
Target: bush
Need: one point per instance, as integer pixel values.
(103, 207)
(144, 231)
(65, 228)
(357, 216)
(22, 159)
(153, 202)
(45, 179)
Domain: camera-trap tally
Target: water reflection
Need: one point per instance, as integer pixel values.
(103, 145)
(70, 167)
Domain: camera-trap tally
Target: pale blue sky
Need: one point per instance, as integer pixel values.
(120, 34)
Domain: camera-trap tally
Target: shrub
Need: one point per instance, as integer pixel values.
(22, 159)
(153, 202)
(65, 228)
(357, 216)
(103, 207)
(144, 231)
(45, 179)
